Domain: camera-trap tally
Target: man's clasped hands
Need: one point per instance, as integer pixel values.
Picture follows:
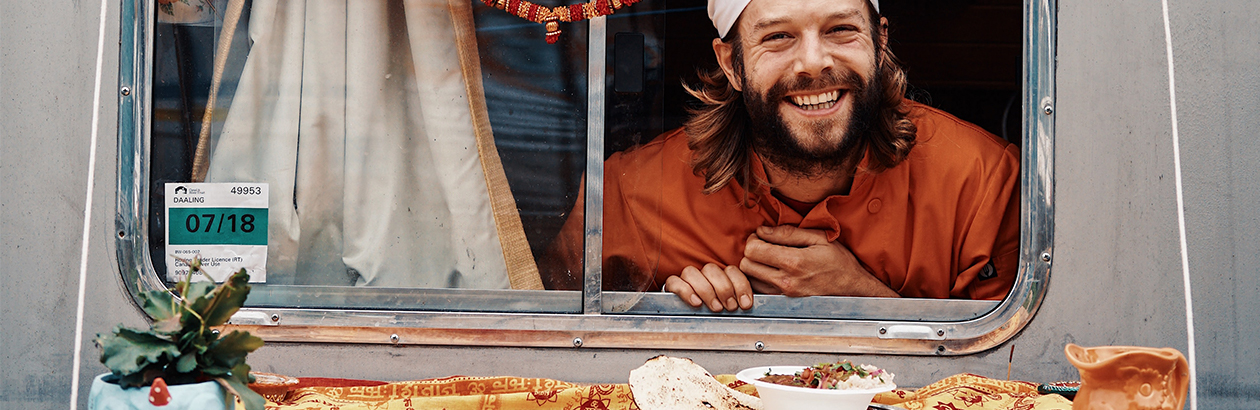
(780, 260)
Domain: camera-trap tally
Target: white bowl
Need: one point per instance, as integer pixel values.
(781, 397)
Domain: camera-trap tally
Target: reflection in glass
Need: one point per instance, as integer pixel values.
(405, 143)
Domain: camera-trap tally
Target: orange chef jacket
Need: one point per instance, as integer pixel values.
(927, 228)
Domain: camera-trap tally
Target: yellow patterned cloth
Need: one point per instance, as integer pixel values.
(959, 392)
(972, 392)
(462, 393)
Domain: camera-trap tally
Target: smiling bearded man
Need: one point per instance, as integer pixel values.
(833, 149)
(805, 172)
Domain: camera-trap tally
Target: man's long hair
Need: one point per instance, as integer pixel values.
(717, 130)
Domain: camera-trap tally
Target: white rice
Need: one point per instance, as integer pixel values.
(870, 382)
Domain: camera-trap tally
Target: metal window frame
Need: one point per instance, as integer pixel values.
(594, 319)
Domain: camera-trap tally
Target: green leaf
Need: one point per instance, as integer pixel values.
(252, 400)
(229, 297)
(230, 350)
(200, 296)
(197, 290)
(216, 371)
(128, 351)
(187, 363)
(158, 304)
(241, 373)
(170, 326)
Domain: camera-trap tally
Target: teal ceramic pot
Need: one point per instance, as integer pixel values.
(201, 396)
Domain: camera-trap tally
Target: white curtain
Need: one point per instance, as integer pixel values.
(356, 114)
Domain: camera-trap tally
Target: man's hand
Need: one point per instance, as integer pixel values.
(800, 262)
(712, 286)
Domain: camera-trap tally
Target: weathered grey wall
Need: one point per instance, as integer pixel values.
(47, 68)
(1218, 90)
(1116, 276)
(1116, 229)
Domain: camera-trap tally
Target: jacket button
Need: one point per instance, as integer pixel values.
(874, 205)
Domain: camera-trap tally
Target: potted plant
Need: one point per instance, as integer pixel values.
(181, 348)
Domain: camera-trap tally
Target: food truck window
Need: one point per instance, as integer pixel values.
(412, 166)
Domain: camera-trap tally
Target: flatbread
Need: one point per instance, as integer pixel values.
(668, 383)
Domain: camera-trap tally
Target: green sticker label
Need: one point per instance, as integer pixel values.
(217, 226)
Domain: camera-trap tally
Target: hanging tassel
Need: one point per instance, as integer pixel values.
(553, 32)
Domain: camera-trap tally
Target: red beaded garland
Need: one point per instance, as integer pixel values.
(550, 16)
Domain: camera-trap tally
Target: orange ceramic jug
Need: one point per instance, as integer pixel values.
(1129, 378)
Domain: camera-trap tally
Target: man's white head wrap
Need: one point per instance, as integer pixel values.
(725, 12)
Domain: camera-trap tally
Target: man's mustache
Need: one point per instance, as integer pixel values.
(845, 79)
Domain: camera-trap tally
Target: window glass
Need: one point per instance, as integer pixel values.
(657, 222)
(404, 144)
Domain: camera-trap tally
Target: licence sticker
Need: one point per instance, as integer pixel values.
(225, 224)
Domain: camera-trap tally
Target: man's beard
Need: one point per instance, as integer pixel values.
(772, 139)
